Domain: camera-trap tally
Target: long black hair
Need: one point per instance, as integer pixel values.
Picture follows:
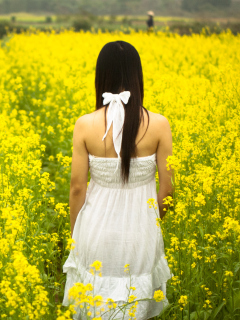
(119, 69)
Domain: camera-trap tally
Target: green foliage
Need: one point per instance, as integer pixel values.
(221, 3)
(114, 7)
(63, 18)
(208, 27)
(48, 19)
(208, 5)
(113, 19)
(82, 24)
(4, 26)
(126, 20)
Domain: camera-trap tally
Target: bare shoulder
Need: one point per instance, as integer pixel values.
(82, 125)
(162, 127)
(84, 121)
(159, 122)
(88, 118)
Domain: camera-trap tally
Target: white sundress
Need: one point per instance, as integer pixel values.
(117, 227)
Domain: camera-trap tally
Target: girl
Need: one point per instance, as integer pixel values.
(111, 222)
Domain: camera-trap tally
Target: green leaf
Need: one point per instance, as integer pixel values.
(50, 304)
(205, 315)
(201, 232)
(217, 310)
(194, 315)
(236, 268)
(237, 301)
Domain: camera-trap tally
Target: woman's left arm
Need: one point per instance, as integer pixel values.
(79, 171)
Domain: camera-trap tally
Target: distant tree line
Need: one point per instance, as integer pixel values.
(197, 5)
(8, 6)
(74, 6)
(108, 6)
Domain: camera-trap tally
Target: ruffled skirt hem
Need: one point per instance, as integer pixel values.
(117, 289)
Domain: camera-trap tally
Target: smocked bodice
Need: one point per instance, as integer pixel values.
(142, 171)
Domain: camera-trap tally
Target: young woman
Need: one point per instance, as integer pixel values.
(111, 222)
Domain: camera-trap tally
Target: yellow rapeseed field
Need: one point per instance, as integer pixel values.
(46, 83)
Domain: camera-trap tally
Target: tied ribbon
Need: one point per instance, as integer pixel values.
(116, 116)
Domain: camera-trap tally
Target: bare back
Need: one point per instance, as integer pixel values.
(146, 144)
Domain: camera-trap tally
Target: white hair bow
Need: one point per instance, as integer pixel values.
(116, 116)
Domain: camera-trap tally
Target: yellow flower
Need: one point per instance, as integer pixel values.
(158, 221)
(205, 156)
(183, 300)
(152, 203)
(131, 298)
(98, 300)
(126, 268)
(158, 295)
(70, 243)
(96, 265)
(111, 303)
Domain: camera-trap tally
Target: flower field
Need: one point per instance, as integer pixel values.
(46, 84)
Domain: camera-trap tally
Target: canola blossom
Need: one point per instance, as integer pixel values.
(46, 84)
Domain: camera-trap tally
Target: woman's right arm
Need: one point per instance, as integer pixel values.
(79, 170)
(165, 176)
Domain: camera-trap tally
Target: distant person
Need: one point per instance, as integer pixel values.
(150, 22)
